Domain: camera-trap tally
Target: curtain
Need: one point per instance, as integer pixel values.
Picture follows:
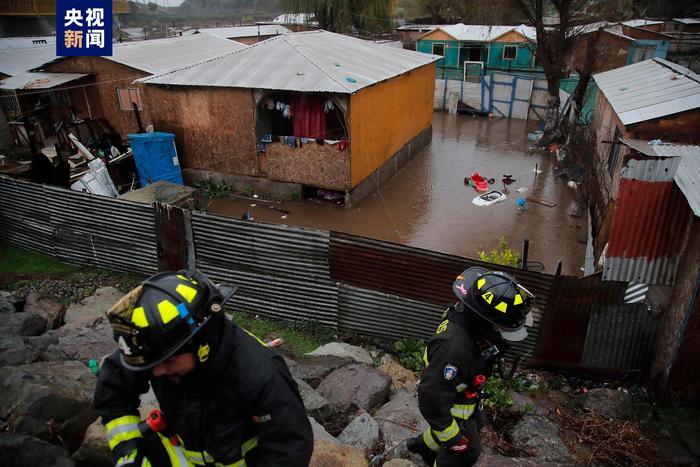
(308, 117)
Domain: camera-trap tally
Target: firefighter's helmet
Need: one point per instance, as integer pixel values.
(496, 297)
(156, 319)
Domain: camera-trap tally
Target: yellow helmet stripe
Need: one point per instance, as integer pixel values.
(187, 292)
(167, 311)
(488, 297)
(480, 283)
(502, 307)
(518, 299)
(138, 317)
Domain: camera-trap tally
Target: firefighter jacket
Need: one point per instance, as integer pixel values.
(452, 359)
(239, 407)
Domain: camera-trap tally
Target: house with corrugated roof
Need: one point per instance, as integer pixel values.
(617, 45)
(497, 48)
(312, 112)
(654, 100)
(106, 88)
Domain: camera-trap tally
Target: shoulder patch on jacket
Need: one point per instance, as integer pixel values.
(449, 372)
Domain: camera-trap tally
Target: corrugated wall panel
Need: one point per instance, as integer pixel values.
(619, 336)
(77, 227)
(104, 232)
(383, 315)
(24, 216)
(283, 271)
(650, 223)
(421, 275)
(564, 329)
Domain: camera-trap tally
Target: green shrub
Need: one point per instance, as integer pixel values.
(410, 352)
(503, 255)
(496, 393)
(212, 189)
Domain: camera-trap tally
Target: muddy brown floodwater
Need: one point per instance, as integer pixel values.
(427, 204)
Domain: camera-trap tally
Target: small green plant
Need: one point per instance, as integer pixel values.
(503, 255)
(212, 189)
(519, 384)
(410, 352)
(496, 392)
(249, 192)
(295, 196)
(528, 408)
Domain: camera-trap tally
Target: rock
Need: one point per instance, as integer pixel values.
(609, 403)
(494, 460)
(541, 437)
(341, 349)
(18, 350)
(399, 419)
(92, 310)
(401, 377)
(48, 400)
(314, 369)
(51, 311)
(73, 343)
(95, 450)
(355, 387)
(689, 433)
(674, 453)
(320, 433)
(6, 305)
(23, 324)
(24, 450)
(315, 404)
(526, 405)
(333, 455)
(399, 463)
(362, 432)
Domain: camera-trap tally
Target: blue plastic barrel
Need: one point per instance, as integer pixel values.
(155, 157)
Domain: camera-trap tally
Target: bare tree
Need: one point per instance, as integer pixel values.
(554, 44)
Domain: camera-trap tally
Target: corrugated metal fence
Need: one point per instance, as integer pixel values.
(356, 284)
(77, 227)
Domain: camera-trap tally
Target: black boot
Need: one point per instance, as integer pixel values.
(417, 446)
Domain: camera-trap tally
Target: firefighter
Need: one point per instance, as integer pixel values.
(493, 309)
(227, 399)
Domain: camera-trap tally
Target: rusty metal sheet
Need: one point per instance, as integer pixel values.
(647, 234)
(411, 272)
(563, 332)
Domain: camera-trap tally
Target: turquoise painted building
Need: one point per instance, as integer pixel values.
(487, 48)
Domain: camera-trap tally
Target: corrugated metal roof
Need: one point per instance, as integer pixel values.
(162, 55)
(38, 80)
(651, 170)
(687, 20)
(647, 232)
(19, 54)
(312, 61)
(295, 18)
(649, 89)
(417, 27)
(482, 33)
(635, 23)
(247, 31)
(688, 180)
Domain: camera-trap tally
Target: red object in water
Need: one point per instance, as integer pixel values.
(479, 182)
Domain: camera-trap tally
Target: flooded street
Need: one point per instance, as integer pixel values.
(427, 204)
